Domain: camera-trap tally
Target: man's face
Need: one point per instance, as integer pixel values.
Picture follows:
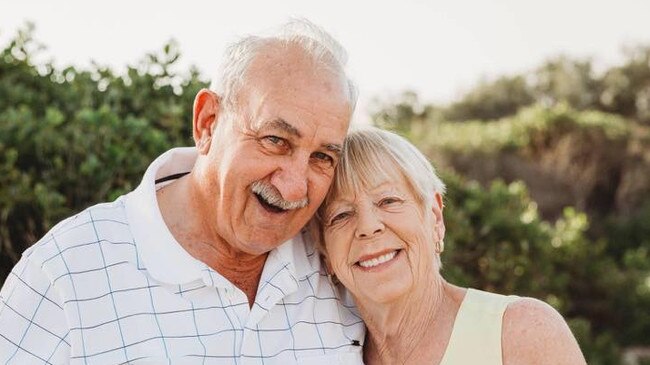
(271, 162)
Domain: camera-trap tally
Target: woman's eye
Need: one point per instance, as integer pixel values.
(389, 201)
(340, 217)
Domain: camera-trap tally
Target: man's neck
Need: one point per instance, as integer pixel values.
(177, 207)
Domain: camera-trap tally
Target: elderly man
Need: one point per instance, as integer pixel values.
(204, 262)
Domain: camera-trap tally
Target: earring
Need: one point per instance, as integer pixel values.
(440, 246)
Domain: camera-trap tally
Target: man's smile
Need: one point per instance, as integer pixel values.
(268, 206)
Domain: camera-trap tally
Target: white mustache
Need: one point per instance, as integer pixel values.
(272, 196)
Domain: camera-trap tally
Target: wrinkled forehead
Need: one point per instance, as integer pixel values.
(288, 65)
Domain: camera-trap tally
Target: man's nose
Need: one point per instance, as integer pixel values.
(369, 223)
(291, 179)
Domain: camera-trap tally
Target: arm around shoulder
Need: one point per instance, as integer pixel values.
(535, 333)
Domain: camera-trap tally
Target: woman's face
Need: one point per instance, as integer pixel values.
(380, 241)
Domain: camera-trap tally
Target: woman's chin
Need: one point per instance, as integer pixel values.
(384, 283)
(383, 296)
(384, 293)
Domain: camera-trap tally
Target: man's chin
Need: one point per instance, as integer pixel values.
(261, 236)
(263, 244)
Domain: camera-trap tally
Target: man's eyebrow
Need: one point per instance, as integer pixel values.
(283, 125)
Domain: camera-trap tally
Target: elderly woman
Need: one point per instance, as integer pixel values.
(381, 229)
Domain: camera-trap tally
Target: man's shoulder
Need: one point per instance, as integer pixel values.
(83, 229)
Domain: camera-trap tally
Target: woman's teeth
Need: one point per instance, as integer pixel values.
(378, 260)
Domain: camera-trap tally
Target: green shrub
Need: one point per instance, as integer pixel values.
(71, 138)
(497, 242)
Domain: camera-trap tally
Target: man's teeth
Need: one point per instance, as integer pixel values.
(378, 260)
(269, 205)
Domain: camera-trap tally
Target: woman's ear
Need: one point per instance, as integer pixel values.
(439, 225)
(205, 115)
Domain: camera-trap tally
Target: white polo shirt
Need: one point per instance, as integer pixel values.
(111, 285)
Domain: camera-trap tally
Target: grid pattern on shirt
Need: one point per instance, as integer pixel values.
(82, 295)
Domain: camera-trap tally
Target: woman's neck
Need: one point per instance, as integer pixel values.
(414, 329)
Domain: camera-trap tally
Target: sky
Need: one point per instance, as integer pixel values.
(436, 48)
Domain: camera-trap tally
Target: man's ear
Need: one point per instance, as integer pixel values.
(205, 115)
(437, 213)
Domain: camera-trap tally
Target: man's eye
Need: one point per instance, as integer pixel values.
(340, 217)
(275, 142)
(322, 157)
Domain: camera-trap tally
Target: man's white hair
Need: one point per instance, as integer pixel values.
(315, 41)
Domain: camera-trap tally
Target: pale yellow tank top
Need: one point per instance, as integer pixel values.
(476, 336)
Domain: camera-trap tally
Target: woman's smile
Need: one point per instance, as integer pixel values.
(378, 261)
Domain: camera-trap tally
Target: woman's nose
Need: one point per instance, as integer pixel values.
(369, 223)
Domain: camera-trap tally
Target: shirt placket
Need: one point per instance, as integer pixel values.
(230, 298)
(277, 282)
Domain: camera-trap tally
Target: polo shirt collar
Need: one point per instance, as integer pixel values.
(164, 258)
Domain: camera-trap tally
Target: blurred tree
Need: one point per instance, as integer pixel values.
(492, 99)
(563, 80)
(626, 89)
(405, 114)
(71, 138)
(498, 242)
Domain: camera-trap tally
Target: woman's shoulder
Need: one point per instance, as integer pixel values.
(486, 303)
(534, 332)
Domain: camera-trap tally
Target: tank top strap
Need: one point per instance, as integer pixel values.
(476, 335)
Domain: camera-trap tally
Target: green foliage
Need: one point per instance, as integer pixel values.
(404, 114)
(628, 232)
(498, 242)
(626, 89)
(562, 80)
(495, 238)
(492, 99)
(532, 125)
(596, 161)
(71, 138)
(599, 349)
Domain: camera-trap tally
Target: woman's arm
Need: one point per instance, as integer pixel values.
(535, 333)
